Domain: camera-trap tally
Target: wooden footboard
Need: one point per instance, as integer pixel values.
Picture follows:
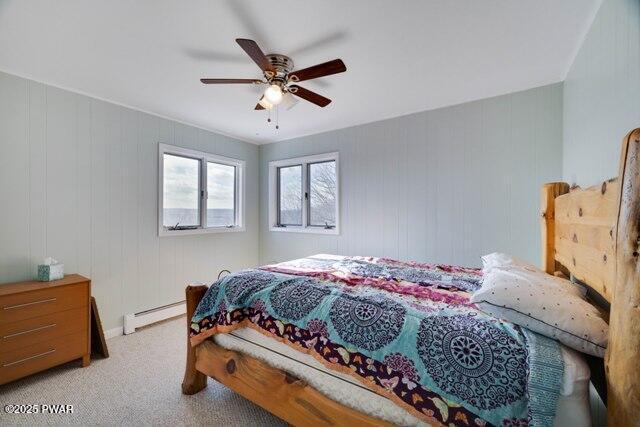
(275, 390)
(194, 381)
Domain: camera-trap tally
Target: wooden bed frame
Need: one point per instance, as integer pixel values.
(592, 234)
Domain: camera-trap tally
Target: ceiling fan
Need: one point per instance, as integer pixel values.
(280, 79)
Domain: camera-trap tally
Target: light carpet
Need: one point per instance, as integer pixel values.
(139, 384)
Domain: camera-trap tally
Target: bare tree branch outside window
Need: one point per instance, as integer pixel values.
(322, 186)
(290, 195)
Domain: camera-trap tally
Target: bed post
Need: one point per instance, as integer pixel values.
(547, 218)
(623, 352)
(194, 381)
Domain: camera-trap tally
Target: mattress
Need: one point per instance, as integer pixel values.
(408, 344)
(572, 408)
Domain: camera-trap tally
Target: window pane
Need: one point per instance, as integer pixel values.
(181, 189)
(290, 189)
(322, 186)
(221, 195)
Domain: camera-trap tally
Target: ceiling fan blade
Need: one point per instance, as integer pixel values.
(254, 51)
(226, 81)
(325, 69)
(309, 95)
(259, 107)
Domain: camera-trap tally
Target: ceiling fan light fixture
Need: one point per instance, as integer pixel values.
(273, 95)
(288, 101)
(265, 104)
(276, 69)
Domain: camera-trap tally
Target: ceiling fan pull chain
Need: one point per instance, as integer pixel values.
(277, 118)
(269, 115)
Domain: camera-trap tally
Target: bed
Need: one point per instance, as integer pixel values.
(315, 354)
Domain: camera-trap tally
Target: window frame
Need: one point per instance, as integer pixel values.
(204, 158)
(279, 199)
(274, 194)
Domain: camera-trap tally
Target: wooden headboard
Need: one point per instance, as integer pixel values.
(594, 235)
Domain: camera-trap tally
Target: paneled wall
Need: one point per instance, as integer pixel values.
(602, 94)
(601, 104)
(78, 181)
(446, 185)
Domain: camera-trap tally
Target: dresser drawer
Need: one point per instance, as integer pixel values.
(26, 305)
(42, 355)
(24, 333)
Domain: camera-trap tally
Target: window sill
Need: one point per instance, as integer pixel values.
(306, 230)
(164, 232)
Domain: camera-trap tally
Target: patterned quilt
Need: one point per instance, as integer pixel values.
(405, 330)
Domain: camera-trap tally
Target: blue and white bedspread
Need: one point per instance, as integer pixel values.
(405, 330)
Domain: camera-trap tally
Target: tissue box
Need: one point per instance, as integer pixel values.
(47, 273)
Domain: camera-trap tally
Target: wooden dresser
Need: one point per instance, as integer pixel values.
(43, 324)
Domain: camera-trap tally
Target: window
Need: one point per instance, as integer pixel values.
(199, 192)
(303, 194)
(221, 195)
(181, 189)
(322, 194)
(290, 199)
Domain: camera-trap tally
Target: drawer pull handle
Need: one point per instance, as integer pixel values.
(29, 331)
(29, 358)
(9, 307)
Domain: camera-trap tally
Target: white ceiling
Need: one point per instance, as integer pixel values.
(401, 56)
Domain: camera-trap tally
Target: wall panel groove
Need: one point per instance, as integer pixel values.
(446, 185)
(601, 103)
(78, 181)
(602, 94)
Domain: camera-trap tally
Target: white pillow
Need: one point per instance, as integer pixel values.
(551, 308)
(529, 271)
(500, 260)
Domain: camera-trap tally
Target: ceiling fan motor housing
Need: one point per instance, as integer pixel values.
(283, 66)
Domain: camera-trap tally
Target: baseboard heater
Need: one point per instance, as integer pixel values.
(133, 321)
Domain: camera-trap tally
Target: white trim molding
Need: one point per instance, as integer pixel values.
(113, 332)
(304, 162)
